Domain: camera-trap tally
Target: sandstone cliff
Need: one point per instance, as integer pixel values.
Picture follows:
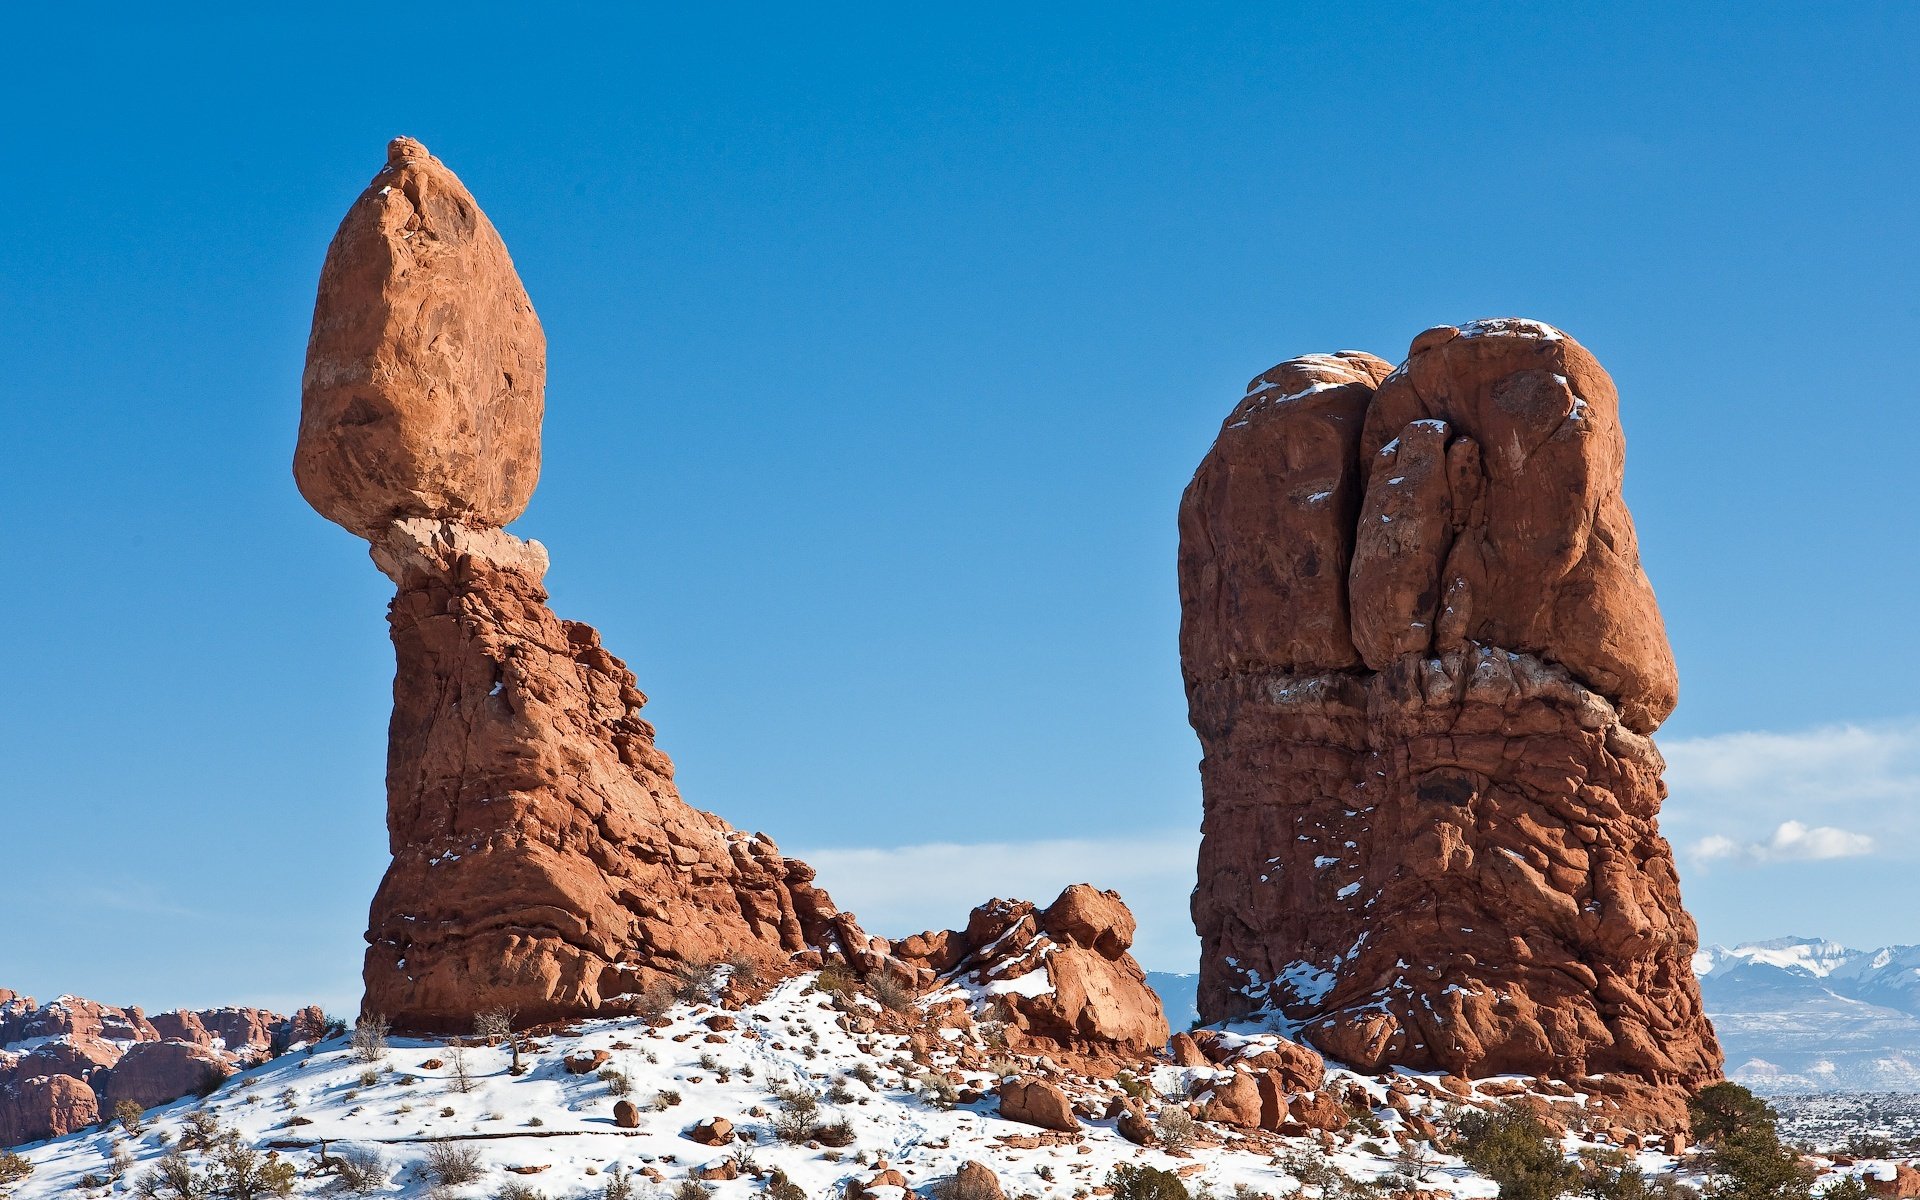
(1423, 661)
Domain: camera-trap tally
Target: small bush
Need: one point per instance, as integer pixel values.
(513, 1189)
(616, 1080)
(13, 1169)
(1175, 1128)
(692, 1189)
(453, 1163)
(495, 1024)
(131, 1116)
(779, 1187)
(1130, 1181)
(360, 1170)
(695, 982)
(655, 1001)
(1522, 1156)
(834, 981)
(203, 1130)
(619, 1185)
(664, 1099)
(799, 1110)
(837, 1134)
(1139, 1089)
(174, 1177)
(369, 1041)
(937, 1090)
(369, 1077)
(893, 995)
(243, 1173)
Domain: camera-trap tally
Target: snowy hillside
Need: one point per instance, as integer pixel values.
(1804, 1015)
(556, 1131)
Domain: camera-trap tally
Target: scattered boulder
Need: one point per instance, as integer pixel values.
(976, 1181)
(1039, 1103)
(626, 1114)
(586, 1062)
(717, 1131)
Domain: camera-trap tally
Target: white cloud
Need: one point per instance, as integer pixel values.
(1839, 791)
(1792, 841)
(898, 890)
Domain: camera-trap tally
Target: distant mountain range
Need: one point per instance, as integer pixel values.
(1795, 1015)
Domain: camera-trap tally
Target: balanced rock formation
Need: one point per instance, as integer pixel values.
(1061, 975)
(1423, 661)
(65, 1064)
(542, 860)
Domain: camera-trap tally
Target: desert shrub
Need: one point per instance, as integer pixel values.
(692, 1189)
(1521, 1155)
(13, 1169)
(1139, 1089)
(360, 1170)
(452, 1163)
(369, 1077)
(131, 1116)
(799, 1112)
(779, 1187)
(461, 1080)
(893, 995)
(495, 1024)
(172, 1178)
(619, 1184)
(837, 1134)
(513, 1189)
(1847, 1187)
(1414, 1163)
(616, 1080)
(369, 1041)
(1727, 1110)
(242, 1173)
(937, 1090)
(865, 1073)
(743, 970)
(202, 1131)
(664, 1099)
(120, 1161)
(654, 1001)
(1132, 1181)
(695, 982)
(1174, 1127)
(835, 981)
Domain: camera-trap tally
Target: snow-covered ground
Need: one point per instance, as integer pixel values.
(555, 1132)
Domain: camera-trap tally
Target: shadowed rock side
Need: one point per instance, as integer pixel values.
(1423, 662)
(542, 860)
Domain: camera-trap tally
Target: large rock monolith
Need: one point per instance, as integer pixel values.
(1424, 663)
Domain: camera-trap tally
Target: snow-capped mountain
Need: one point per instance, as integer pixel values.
(1810, 1015)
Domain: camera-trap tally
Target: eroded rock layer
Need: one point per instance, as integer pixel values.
(1423, 661)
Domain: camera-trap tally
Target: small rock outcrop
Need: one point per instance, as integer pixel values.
(1424, 661)
(1061, 974)
(65, 1064)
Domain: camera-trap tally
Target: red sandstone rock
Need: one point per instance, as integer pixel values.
(45, 1106)
(976, 1181)
(626, 1115)
(715, 1132)
(153, 1073)
(426, 368)
(1423, 659)
(1039, 1103)
(1061, 974)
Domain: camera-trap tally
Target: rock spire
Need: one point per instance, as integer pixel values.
(1424, 663)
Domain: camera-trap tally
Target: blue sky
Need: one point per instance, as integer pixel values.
(881, 344)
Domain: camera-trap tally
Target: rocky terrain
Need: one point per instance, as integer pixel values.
(828, 1083)
(68, 1063)
(1424, 664)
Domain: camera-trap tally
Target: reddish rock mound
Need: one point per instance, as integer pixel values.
(1423, 662)
(1061, 975)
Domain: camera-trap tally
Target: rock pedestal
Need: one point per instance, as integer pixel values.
(1423, 661)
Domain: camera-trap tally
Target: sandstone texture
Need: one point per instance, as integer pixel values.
(65, 1064)
(426, 368)
(1424, 661)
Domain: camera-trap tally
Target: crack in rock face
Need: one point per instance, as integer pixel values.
(1424, 663)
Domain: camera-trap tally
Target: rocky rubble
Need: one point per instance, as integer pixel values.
(64, 1065)
(1423, 661)
(543, 861)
